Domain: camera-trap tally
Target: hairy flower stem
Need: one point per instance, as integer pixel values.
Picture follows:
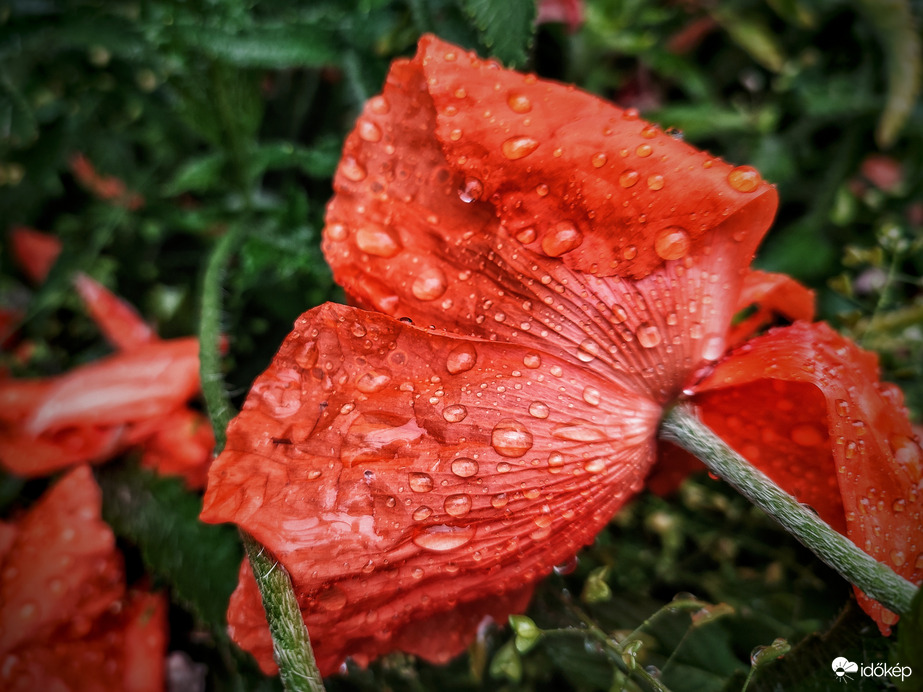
(682, 427)
(290, 640)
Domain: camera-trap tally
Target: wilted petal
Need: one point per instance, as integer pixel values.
(63, 569)
(117, 320)
(150, 380)
(398, 472)
(433, 220)
(806, 406)
(35, 252)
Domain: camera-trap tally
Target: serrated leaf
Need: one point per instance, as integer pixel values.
(198, 174)
(161, 517)
(268, 46)
(505, 28)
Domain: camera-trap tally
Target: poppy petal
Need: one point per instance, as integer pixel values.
(150, 380)
(63, 569)
(413, 232)
(373, 456)
(35, 252)
(117, 320)
(771, 294)
(34, 456)
(806, 406)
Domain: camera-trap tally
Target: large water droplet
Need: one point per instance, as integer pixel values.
(592, 396)
(431, 283)
(644, 150)
(898, 558)
(519, 147)
(378, 240)
(629, 178)
(331, 599)
(671, 243)
(532, 360)
(457, 505)
(598, 159)
(499, 501)
(518, 102)
(555, 462)
(744, 179)
(463, 467)
(562, 238)
(441, 537)
(538, 409)
(369, 131)
(510, 438)
(352, 170)
(454, 413)
(648, 335)
(587, 351)
(421, 513)
(372, 382)
(461, 359)
(420, 482)
(379, 104)
(578, 431)
(471, 190)
(655, 182)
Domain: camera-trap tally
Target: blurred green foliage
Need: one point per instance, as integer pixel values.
(229, 115)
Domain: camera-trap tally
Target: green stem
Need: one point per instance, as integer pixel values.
(682, 427)
(290, 640)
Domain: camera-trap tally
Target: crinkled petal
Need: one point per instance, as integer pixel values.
(150, 380)
(117, 320)
(63, 569)
(35, 252)
(432, 220)
(806, 406)
(772, 295)
(398, 472)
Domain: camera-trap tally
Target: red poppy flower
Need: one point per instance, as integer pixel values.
(35, 252)
(66, 622)
(135, 397)
(564, 270)
(106, 187)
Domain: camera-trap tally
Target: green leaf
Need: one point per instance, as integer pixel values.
(910, 643)
(198, 561)
(754, 36)
(268, 46)
(198, 174)
(318, 162)
(505, 28)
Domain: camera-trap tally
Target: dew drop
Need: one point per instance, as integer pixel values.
(655, 182)
(898, 505)
(713, 348)
(352, 169)
(566, 567)
(461, 359)
(463, 467)
(421, 513)
(842, 407)
(898, 558)
(671, 243)
(538, 409)
(417, 573)
(555, 462)
(598, 160)
(644, 150)
(357, 330)
(542, 190)
(744, 179)
(471, 190)
(630, 252)
(561, 239)
(596, 465)
(587, 351)
(510, 438)
(578, 431)
(421, 482)
(369, 131)
(532, 360)
(518, 102)
(457, 505)
(379, 104)
(499, 501)
(454, 413)
(503, 467)
(648, 335)
(519, 147)
(441, 538)
(431, 283)
(592, 396)
(372, 382)
(526, 235)
(378, 240)
(337, 232)
(629, 178)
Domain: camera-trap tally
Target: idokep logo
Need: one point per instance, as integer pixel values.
(845, 670)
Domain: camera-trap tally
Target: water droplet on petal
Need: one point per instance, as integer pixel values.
(532, 360)
(713, 348)
(644, 150)
(538, 409)
(587, 351)
(441, 537)
(526, 235)
(431, 283)
(899, 505)
(629, 178)
(461, 359)
(519, 147)
(337, 232)
(372, 382)
(562, 238)
(655, 182)
(454, 413)
(542, 190)
(421, 513)
(417, 573)
(648, 335)
(592, 396)
(671, 243)
(650, 131)
(744, 179)
(421, 482)
(352, 169)
(471, 190)
(379, 104)
(369, 131)
(499, 501)
(457, 505)
(358, 330)
(630, 252)
(510, 438)
(331, 599)
(898, 558)
(464, 467)
(566, 567)
(555, 462)
(518, 103)
(378, 240)
(842, 407)
(578, 431)
(598, 160)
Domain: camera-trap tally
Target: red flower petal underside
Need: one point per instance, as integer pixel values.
(767, 400)
(35, 252)
(451, 232)
(150, 380)
(34, 456)
(63, 569)
(117, 320)
(373, 456)
(772, 295)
